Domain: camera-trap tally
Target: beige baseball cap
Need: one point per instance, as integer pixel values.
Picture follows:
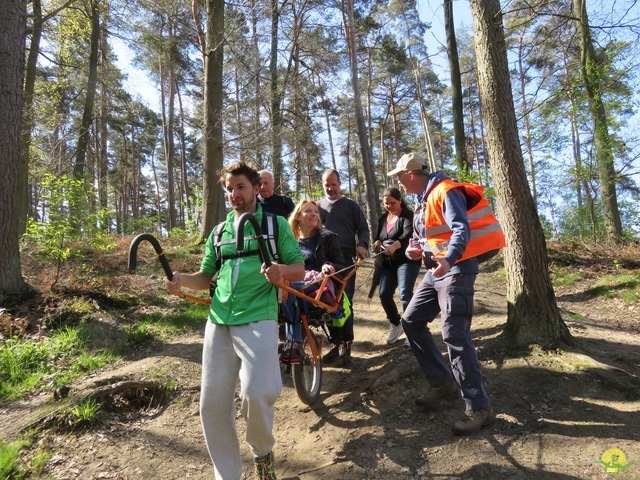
(409, 161)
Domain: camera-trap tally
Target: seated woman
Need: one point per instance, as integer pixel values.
(322, 255)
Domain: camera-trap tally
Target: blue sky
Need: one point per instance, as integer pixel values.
(432, 12)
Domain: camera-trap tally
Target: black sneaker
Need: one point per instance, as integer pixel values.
(333, 354)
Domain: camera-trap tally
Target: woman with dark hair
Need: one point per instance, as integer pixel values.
(322, 256)
(395, 229)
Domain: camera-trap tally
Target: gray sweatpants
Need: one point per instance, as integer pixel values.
(248, 353)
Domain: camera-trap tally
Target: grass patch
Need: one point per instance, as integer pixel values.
(39, 462)
(565, 278)
(497, 276)
(85, 414)
(168, 383)
(28, 365)
(625, 286)
(576, 316)
(160, 326)
(10, 460)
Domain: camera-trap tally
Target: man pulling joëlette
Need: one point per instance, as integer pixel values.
(241, 337)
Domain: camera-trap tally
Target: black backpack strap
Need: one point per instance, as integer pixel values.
(217, 236)
(270, 233)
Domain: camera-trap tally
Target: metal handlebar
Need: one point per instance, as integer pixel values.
(244, 218)
(133, 255)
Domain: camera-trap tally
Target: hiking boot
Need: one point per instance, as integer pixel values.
(473, 421)
(395, 332)
(264, 467)
(447, 391)
(333, 354)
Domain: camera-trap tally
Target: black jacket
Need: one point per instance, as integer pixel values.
(328, 251)
(402, 231)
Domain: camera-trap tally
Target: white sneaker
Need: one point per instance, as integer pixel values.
(406, 342)
(394, 334)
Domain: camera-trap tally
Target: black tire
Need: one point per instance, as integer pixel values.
(307, 376)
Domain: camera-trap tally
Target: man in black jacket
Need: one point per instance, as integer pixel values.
(272, 202)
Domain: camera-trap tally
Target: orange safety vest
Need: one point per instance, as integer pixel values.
(486, 233)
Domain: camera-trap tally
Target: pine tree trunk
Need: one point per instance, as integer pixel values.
(276, 98)
(27, 118)
(170, 149)
(12, 26)
(533, 315)
(103, 160)
(456, 91)
(371, 186)
(213, 207)
(602, 141)
(92, 82)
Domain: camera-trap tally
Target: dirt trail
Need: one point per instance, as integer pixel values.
(557, 414)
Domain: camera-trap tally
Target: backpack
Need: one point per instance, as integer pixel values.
(269, 229)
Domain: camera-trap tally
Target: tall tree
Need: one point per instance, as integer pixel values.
(533, 315)
(276, 96)
(12, 49)
(213, 206)
(87, 114)
(168, 94)
(456, 90)
(591, 75)
(27, 116)
(90, 94)
(371, 186)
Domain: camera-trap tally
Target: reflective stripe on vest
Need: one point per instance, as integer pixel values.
(444, 246)
(472, 217)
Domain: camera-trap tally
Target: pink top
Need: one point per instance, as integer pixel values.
(390, 225)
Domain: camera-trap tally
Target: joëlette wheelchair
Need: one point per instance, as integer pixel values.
(314, 314)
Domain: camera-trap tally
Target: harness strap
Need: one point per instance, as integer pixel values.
(270, 236)
(244, 253)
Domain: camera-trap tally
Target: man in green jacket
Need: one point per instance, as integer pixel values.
(241, 336)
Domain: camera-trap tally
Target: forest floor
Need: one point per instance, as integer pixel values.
(559, 412)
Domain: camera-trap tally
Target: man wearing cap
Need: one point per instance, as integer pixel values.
(447, 287)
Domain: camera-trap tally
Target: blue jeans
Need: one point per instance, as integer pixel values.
(402, 277)
(294, 323)
(450, 296)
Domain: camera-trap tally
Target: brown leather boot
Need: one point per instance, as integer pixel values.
(447, 391)
(473, 421)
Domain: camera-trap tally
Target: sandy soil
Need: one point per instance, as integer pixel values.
(558, 412)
